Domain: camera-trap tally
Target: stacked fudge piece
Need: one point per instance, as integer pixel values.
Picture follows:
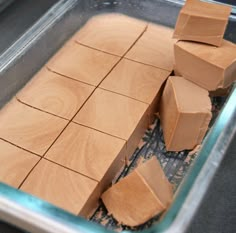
(204, 62)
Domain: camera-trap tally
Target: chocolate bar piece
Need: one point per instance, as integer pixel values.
(207, 66)
(139, 196)
(202, 22)
(185, 114)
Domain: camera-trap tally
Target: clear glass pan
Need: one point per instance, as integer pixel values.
(20, 61)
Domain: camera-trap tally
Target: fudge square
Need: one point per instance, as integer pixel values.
(202, 22)
(208, 66)
(16, 163)
(155, 48)
(111, 33)
(29, 128)
(139, 196)
(185, 113)
(62, 187)
(92, 153)
(116, 115)
(54, 93)
(82, 63)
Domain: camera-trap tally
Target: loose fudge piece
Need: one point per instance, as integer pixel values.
(116, 115)
(55, 94)
(185, 114)
(82, 63)
(112, 33)
(139, 196)
(29, 128)
(89, 152)
(207, 66)
(202, 22)
(15, 164)
(155, 48)
(62, 187)
(138, 81)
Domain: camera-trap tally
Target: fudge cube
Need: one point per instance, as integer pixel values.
(29, 128)
(56, 94)
(15, 164)
(111, 33)
(185, 114)
(202, 22)
(139, 196)
(207, 66)
(82, 63)
(62, 187)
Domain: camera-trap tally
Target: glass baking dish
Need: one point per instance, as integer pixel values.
(25, 57)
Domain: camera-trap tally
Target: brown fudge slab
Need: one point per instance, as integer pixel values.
(135, 80)
(60, 186)
(207, 66)
(82, 63)
(112, 33)
(155, 48)
(139, 196)
(15, 164)
(202, 22)
(89, 152)
(29, 128)
(55, 94)
(115, 114)
(185, 114)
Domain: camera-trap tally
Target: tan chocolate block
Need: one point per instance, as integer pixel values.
(89, 152)
(82, 63)
(55, 94)
(139, 196)
(62, 187)
(207, 66)
(112, 33)
(116, 115)
(135, 80)
(15, 164)
(155, 48)
(185, 114)
(29, 128)
(202, 22)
